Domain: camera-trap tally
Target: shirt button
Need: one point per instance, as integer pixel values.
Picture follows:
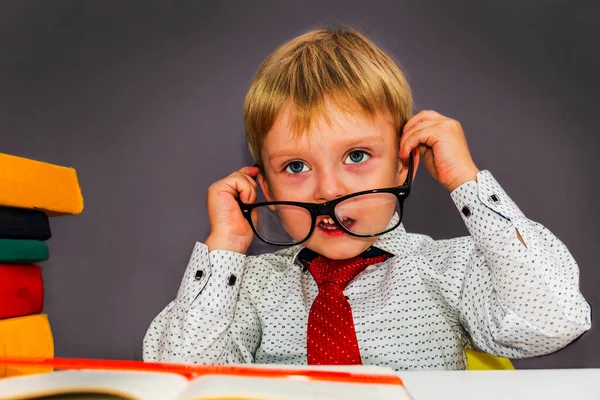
(494, 198)
(199, 274)
(232, 279)
(466, 211)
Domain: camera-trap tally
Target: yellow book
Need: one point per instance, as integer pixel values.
(477, 361)
(32, 184)
(29, 336)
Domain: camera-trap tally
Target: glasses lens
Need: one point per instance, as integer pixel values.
(282, 224)
(369, 214)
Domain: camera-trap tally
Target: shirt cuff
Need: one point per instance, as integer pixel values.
(212, 278)
(486, 208)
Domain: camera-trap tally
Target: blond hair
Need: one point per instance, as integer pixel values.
(342, 66)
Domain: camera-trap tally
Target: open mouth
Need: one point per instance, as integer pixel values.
(328, 224)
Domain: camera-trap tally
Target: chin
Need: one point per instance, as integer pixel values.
(339, 248)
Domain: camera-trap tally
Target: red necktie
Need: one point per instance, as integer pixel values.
(331, 338)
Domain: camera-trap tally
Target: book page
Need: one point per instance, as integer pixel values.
(218, 387)
(129, 385)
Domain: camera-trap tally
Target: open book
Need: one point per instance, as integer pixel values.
(94, 379)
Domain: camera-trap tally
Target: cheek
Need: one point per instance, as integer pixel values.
(295, 221)
(293, 189)
(390, 173)
(379, 175)
(369, 213)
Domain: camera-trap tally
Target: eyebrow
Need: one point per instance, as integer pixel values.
(364, 141)
(369, 140)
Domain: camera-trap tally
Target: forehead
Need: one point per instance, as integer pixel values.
(334, 126)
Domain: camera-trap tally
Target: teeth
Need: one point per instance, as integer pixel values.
(328, 223)
(331, 221)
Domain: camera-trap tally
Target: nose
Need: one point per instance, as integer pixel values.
(329, 186)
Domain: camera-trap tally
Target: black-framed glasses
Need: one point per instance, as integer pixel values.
(364, 214)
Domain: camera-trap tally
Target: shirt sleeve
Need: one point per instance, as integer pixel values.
(212, 320)
(514, 300)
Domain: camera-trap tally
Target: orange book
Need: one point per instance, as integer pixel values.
(29, 336)
(32, 184)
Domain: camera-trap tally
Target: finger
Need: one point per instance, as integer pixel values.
(251, 198)
(404, 139)
(240, 187)
(416, 127)
(250, 179)
(252, 171)
(248, 195)
(252, 182)
(426, 136)
(425, 115)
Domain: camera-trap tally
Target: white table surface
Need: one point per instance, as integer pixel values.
(556, 384)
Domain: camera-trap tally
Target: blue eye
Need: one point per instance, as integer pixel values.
(356, 157)
(296, 167)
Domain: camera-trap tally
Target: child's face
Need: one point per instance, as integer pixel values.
(351, 154)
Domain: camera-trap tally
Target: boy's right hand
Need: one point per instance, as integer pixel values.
(229, 230)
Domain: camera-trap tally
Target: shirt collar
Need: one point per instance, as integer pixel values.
(394, 242)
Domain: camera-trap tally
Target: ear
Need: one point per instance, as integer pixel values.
(403, 170)
(264, 186)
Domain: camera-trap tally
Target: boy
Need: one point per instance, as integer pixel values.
(328, 116)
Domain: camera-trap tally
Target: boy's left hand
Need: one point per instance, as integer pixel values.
(442, 146)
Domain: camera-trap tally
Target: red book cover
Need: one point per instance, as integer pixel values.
(21, 290)
(195, 370)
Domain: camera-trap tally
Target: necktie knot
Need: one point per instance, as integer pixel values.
(338, 272)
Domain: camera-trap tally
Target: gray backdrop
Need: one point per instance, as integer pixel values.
(144, 99)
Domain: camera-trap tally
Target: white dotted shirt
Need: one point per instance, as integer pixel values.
(417, 310)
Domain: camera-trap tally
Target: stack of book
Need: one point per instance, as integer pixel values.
(30, 192)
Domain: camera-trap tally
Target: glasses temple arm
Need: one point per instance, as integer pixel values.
(409, 175)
